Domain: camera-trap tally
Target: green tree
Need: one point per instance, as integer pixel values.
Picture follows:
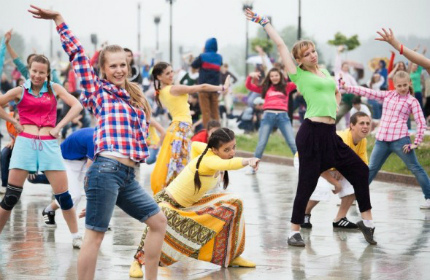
(341, 40)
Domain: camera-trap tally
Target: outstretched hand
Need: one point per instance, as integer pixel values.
(342, 84)
(249, 14)
(388, 37)
(40, 13)
(8, 36)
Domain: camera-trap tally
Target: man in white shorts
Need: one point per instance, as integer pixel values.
(355, 138)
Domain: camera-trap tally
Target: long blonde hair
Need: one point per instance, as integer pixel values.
(404, 75)
(138, 99)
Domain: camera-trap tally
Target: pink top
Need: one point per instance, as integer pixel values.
(396, 109)
(274, 100)
(37, 110)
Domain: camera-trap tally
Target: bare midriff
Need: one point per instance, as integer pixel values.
(327, 120)
(35, 130)
(125, 161)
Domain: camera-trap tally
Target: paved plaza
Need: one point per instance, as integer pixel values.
(28, 250)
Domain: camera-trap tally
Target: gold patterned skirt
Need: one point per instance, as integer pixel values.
(211, 230)
(173, 156)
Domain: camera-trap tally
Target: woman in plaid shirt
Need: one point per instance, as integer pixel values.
(122, 114)
(393, 135)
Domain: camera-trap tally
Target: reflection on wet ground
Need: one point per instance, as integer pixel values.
(28, 250)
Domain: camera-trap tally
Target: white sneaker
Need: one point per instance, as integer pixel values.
(2, 190)
(425, 205)
(77, 242)
(250, 171)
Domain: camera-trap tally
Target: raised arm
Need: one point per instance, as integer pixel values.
(71, 45)
(388, 36)
(250, 85)
(2, 54)
(22, 68)
(287, 60)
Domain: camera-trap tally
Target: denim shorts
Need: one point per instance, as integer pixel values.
(109, 183)
(36, 153)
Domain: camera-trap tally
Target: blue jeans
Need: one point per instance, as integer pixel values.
(269, 121)
(108, 183)
(383, 149)
(376, 108)
(152, 156)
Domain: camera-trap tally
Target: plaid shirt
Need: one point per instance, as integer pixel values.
(120, 127)
(395, 113)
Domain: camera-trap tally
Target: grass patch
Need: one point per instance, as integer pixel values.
(277, 146)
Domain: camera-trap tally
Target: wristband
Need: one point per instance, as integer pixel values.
(260, 19)
(401, 49)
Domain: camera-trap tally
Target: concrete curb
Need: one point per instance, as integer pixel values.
(382, 175)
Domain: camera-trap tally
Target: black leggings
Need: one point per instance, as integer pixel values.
(320, 148)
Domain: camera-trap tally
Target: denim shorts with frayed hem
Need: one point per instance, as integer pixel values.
(108, 183)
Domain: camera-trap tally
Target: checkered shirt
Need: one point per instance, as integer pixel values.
(120, 127)
(395, 113)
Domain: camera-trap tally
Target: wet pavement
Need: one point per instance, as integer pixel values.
(28, 250)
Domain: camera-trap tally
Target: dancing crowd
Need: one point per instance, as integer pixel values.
(186, 217)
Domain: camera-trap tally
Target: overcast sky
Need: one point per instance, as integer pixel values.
(196, 20)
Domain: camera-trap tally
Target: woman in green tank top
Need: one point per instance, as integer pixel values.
(317, 143)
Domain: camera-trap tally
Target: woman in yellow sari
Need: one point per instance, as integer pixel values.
(207, 227)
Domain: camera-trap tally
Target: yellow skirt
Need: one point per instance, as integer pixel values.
(211, 230)
(173, 156)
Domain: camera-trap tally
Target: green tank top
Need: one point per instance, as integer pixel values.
(318, 92)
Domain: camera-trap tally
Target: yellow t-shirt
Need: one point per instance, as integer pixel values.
(183, 189)
(360, 149)
(177, 105)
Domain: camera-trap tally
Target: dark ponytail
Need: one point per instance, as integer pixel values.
(217, 139)
(156, 71)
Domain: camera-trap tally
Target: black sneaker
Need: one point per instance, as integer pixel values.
(296, 240)
(345, 224)
(367, 232)
(49, 218)
(307, 223)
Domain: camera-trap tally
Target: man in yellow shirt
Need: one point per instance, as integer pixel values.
(355, 138)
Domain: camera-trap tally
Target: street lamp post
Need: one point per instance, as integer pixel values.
(138, 32)
(171, 32)
(299, 27)
(157, 20)
(247, 5)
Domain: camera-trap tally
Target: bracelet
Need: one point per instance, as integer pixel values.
(401, 49)
(260, 20)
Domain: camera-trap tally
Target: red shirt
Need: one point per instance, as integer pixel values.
(274, 100)
(201, 136)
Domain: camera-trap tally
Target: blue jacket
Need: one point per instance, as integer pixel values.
(209, 64)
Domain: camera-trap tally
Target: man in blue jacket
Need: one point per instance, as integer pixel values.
(209, 64)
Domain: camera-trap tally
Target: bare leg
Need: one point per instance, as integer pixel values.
(58, 180)
(310, 206)
(87, 259)
(17, 178)
(367, 215)
(345, 204)
(153, 242)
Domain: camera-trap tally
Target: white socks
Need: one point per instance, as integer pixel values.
(368, 223)
(49, 208)
(76, 235)
(292, 233)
